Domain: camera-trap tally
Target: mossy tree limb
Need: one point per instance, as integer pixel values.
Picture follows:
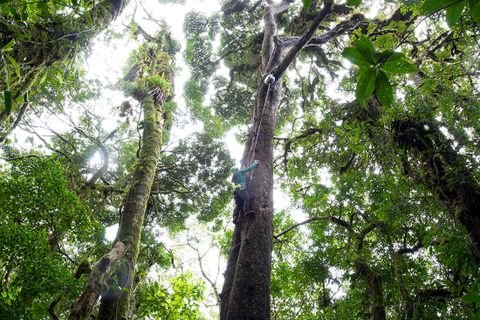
(152, 87)
(447, 173)
(55, 38)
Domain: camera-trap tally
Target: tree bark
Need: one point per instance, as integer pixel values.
(407, 308)
(246, 290)
(373, 281)
(97, 281)
(129, 228)
(371, 278)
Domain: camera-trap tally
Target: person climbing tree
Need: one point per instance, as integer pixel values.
(241, 195)
(246, 289)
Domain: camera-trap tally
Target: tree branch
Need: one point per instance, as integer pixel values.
(335, 220)
(20, 115)
(298, 225)
(290, 56)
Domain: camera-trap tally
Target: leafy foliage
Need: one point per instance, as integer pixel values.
(453, 9)
(44, 229)
(373, 208)
(373, 64)
(191, 180)
(179, 299)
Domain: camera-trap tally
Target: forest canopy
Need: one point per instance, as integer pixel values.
(240, 159)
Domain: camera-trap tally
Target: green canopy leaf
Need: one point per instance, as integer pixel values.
(354, 3)
(383, 89)
(306, 4)
(432, 6)
(471, 298)
(8, 101)
(454, 12)
(9, 46)
(14, 64)
(365, 84)
(389, 55)
(475, 10)
(399, 64)
(366, 48)
(355, 57)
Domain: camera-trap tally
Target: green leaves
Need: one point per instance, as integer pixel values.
(306, 4)
(373, 65)
(14, 63)
(7, 95)
(355, 56)
(454, 12)
(471, 298)
(366, 49)
(179, 298)
(365, 85)
(454, 9)
(354, 3)
(398, 64)
(37, 205)
(383, 89)
(475, 10)
(9, 46)
(432, 6)
(363, 54)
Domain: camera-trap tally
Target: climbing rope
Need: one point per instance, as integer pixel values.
(268, 81)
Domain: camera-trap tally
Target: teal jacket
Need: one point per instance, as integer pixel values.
(240, 176)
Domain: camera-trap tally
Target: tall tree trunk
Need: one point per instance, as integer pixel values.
(373, 282)
(371, 278)
(246, 290)
(122, 259)
(407, 307)
(128, 237)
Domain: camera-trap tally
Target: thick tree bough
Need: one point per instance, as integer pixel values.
(49, 45)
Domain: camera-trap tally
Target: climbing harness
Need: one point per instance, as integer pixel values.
(268, 81)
